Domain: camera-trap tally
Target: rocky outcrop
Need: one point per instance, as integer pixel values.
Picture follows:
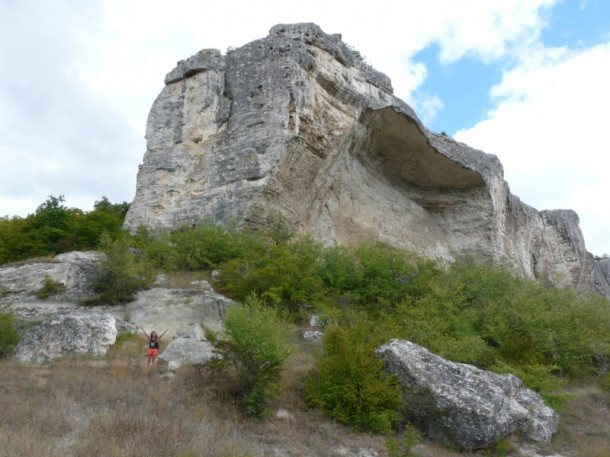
(161, 307)
(468, 407)
(62, 326)
(74, 270)
(76, 332)
(295, 124)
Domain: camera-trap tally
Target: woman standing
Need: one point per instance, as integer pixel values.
(153, 345)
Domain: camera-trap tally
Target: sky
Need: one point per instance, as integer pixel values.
(526, 80)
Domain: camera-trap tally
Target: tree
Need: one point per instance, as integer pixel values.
(257, 343)
(349, 383)
(120, 273)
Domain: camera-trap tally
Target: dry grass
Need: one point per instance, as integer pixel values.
(30, 260)
(116, 406)
(584, 428)
(182, 279)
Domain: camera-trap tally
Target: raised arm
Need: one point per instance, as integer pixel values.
(144, 331)
(161, 336)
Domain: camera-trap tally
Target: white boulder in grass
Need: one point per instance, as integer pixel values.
(471, 407)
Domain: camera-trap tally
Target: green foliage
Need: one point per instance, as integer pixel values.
(207, 246)
(282, 274)
(54, 228)
(257, 343)
(9, 337)
(357, 54)
(50, 287)
(120, 273)
(481, 313)
(86, 229)
(401, 445)
(349, 383)
(124, 337)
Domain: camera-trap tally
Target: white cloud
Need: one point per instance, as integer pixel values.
(548, 129)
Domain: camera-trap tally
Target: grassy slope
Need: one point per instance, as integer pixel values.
(116, 406)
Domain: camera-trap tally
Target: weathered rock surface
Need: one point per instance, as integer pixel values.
(158, 308)
(77, 332)
(294, 124)
(61, 316)
(173, 309)
(471, 407)
(188, 346)
(75, 270)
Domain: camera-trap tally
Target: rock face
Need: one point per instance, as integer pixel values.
(158, 308)
(64, 327)
(471, 407)
(77, 332)
(75, 270)
(173, 309)
(295, 124)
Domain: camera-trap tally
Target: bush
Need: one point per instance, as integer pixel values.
(120, 273)
(349, 383)
(54, 228)
(9, 337)
(284, 274)
(257, 343)
(50, 287)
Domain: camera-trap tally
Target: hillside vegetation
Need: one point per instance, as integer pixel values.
(470, 311)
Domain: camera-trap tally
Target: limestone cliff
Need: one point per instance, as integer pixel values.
(295, 124)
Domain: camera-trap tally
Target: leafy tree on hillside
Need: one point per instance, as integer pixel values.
(349, 382)
(257, 343)
(54, 228)
(120, 273)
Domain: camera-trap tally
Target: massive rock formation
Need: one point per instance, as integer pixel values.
(295, 124)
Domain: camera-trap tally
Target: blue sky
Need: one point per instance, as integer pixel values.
(464, 85)
(523, 79)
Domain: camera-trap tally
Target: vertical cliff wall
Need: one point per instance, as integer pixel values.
(295, 124)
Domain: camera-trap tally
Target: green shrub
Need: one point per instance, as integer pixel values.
(50, 287)
(349, 382)
(257, 343)
(284, 274)
(54, 228)
(401, 445)
(204, 246)
(120, 273)
(9, 337)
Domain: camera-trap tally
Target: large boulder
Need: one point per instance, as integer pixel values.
(296, 124)
(188, 346)
(466, 406)
(77, 332)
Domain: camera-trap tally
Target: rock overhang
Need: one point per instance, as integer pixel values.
(295, 102)
(399, 147)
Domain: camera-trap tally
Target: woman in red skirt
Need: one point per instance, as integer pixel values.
(153, 345)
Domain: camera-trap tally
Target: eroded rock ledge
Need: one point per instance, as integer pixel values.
(296, 124)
